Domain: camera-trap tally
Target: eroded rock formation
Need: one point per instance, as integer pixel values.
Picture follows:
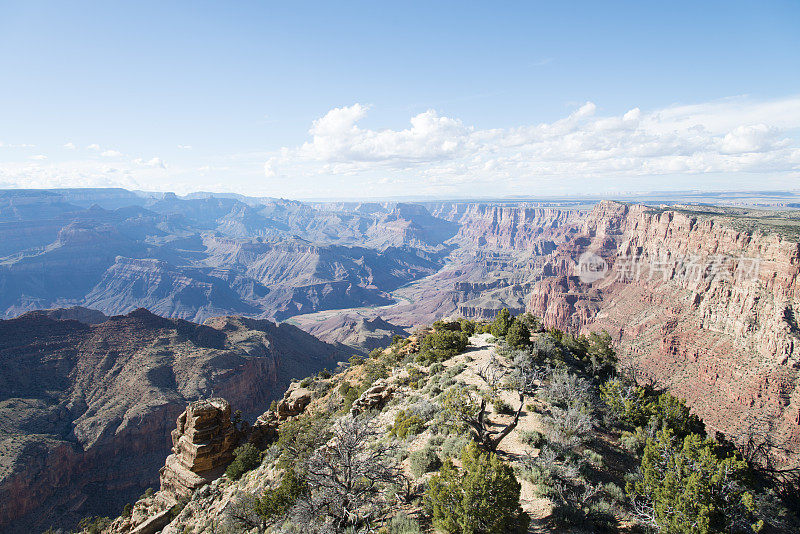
(202, 446)
(375, 397)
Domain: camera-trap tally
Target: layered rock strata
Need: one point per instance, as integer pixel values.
(202, 446)
(698, 305)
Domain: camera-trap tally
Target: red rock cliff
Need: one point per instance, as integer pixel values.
(699, 306)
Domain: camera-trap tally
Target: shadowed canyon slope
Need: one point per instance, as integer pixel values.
(86, 409)
(195, 258)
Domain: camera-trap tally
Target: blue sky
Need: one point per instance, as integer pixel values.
(434, 98)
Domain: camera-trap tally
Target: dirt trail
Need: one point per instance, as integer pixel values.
(511, 449)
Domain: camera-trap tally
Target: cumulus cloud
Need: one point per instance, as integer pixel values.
(70, 146)
(185, 147)
(729, 136)
(152, 162)
(270, 170)
(336, 137)
(732, 143)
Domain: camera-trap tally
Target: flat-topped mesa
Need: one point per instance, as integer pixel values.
(203, 444)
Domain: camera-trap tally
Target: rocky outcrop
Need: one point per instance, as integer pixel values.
(202, 446)
(697, 304)
(374, 397)
(294, 402)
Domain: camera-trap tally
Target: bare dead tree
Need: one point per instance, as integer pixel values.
(242, 513)
(349, 476)
(759, 444)
(471, 407)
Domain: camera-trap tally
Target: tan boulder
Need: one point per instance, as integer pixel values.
(294, 402)
(375, 397)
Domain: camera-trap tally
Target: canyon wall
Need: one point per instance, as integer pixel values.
(86, 410)
(508, 227)
(697, 306)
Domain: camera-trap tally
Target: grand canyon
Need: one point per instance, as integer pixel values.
(122, 307)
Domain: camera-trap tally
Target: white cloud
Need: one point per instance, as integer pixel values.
(543, 62)
(728, 136)
(732, 143)
(39, 157)
(337, 137)
(70, 146)
(185, 147)
(270, 170)
(17, 145)
(153, 162)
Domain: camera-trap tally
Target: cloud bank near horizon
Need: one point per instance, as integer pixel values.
(737, 138)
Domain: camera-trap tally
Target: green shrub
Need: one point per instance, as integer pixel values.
(518, 335)
(442, 345)
(627, 402)
(502, 322)
(594, 458)
(454, 370)
(436, 440)
(94, 524)
(424, 461)
(600, 355)
(483, 327)
(246, 458)
(415, 378)
(407, 424)
(673, 413)
(502, 407)
(531, 438)
(277, 501)
(533, 323)
(482, 498)
(634, 441)
(403, 524)
(453, 326)
(178, 507)
(435, 369)
(614, 492)
(298, 438)
(691, 488)
(467, 326)
(453, 445)
(306, 382)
